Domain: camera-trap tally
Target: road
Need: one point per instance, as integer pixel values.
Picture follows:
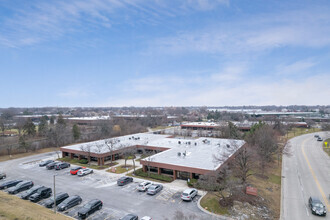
(305, 173)
(118, 201)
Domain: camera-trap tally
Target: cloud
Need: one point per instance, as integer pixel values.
(244, 91)
(298, 67)
(40, 21)
(75, 93)
(256, 34)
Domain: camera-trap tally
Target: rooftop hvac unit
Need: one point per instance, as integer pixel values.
(228, 146)
(195, 143)
(184, 153)
(189, 142)
(179, 154)
(179, 142)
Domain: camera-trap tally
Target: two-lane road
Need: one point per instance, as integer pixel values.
(306, 173)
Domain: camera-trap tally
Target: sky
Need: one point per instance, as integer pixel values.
(104, 53)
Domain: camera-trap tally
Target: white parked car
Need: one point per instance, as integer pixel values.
(144, 186)
(146, 218)
(84, 171)
(189, 194)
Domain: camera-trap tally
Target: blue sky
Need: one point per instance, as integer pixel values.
(164, 53)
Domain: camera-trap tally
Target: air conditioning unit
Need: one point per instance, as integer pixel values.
(179, 154)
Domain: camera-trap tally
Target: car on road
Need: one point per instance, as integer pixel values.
(59, 197)
(75, 170)
(69, 203)
(52, 165)
(189, 194)
(319, 139)
(45, 163)
(62, 165)
(124, 180)
(9, 184)
(130, 217)
(84, 171)
(42, 193)
(146, 218)
(89, 208)
(27, 194)
(316, 206)
(2, 176)
(142, 187)
(154, 189)
(24, 185)
(316, 136)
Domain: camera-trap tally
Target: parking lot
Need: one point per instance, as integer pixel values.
(117, 200)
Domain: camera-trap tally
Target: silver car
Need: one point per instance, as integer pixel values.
(144, 186)
(154, 189)
(84, 171)
(189, 194)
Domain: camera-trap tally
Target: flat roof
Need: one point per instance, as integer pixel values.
(195, 153)
(99, 147)
(199, 153)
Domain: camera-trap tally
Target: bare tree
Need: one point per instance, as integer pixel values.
(111, 143)
(148, 159)
(265, 142)
(126, 153)
(220, 184)
(88, 150)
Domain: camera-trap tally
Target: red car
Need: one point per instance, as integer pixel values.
(74, 171)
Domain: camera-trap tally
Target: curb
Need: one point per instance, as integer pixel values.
(208, 212)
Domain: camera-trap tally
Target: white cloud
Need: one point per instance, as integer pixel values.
(247, 91)
(75, 93)
(297, 67)
(256, 34)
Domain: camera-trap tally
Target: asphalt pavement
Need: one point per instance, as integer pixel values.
(118, 200)
(306, 173)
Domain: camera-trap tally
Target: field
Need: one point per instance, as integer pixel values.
(14, 208)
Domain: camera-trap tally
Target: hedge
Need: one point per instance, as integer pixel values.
(83, 161)
(139, 172)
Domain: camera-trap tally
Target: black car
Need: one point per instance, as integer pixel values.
(2, 176)
(130, 217)
(46, 162)
(52, 165)
(317, 206)
(69, 203)
(42, 193)
(124, 180)
(9, 184)
(90, 208)
(59, 197)
(33, 190)
(62, 165)
(21, 187)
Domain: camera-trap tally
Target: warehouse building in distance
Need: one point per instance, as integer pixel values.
(179, 158)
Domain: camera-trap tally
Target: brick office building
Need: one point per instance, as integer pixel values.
(180, 158)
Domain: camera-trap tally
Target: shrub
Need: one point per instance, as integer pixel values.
(192, 182)
(83, 161)
(139, 172)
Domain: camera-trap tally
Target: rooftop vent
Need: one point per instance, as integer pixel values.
(179, 142)
(228, 146)
(179, 154)
(195, 143)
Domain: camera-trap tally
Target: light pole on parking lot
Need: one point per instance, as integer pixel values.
(54, 195)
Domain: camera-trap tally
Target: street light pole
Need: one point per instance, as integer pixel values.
(54, 196)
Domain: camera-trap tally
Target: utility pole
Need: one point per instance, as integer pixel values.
(54, 196)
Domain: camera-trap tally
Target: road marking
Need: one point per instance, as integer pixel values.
(314, 176)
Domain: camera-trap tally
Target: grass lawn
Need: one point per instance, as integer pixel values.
(294, 132)
(14, 208)
(16, 156)
(327, 149)
(121, 169)
(210, 202)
